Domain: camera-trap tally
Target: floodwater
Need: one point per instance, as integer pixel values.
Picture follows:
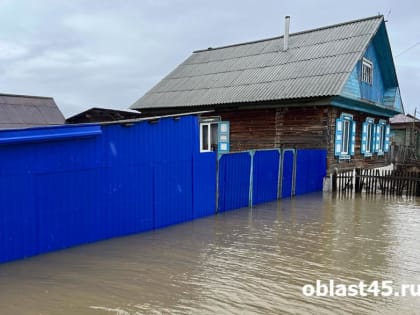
(247, 261)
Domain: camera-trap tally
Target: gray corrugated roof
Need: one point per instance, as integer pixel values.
(401, 119)
(22, 111)
(316, 64)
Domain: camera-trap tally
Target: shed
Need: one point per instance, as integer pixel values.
(24, 111)
(96, 114)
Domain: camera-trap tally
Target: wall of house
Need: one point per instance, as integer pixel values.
(297, 127)
(288, 127)
(355, 88)
(302, 127)
(250, 129)
(358, 160)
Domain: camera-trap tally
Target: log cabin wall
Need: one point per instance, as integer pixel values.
(302, 127)
(286, 127)
(358, 160)
(308, 127)
(250, 129)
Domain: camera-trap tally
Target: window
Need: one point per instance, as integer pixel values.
(214, 135)
(208, 137)
(381, 130)
(367, 71)
(382, 137)
(368, 137)
(345, 136)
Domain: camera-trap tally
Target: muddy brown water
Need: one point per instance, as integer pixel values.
(247, 261)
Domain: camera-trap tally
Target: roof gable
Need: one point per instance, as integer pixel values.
(317, 63)
(22, 111)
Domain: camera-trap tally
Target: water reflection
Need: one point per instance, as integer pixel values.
(249, 261)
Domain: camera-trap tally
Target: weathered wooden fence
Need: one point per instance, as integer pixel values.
(370, 181)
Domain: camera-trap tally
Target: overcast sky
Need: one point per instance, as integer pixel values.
(102, 53)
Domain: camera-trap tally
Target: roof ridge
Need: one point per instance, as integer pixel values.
(27, 96)
(291, 34)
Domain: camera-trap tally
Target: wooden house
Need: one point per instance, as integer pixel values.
(333, 87)
(24, 111)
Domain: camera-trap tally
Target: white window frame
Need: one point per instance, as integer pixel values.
(345, 149)
(381, 138)
(345, 136)
(367, 71)
(370, 148)
(202, 125)
(209, 124)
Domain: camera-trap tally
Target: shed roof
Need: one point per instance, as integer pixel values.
(23, 111)
(316, 64)
(402, 119)
(96, 114)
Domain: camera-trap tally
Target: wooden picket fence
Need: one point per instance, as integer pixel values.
(370, 181)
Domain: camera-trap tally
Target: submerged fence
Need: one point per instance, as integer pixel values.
(69, 185)
(252, 177)
(64, 186)
(371, 181)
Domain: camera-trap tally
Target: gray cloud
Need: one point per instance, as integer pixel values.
(109, 53)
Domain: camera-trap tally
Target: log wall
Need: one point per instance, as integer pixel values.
(297, 127)
(358, 160)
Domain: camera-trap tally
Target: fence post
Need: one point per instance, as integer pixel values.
(334, 181)
(251, 179)
(357, 181)
(279, 179)
(418, 185)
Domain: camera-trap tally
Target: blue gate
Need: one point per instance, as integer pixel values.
(265, 176)
(311, 165)
(234, 179)
(287, 173)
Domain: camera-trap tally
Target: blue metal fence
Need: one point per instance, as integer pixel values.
(265, 176)
(234, 179)
(253, 177)
(69, 185)
(287, 173)
(311, 166)
(65, 186)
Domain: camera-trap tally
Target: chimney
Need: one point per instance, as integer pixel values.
(286, 33)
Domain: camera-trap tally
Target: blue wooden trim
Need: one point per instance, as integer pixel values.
(48, 134)
(387, 138)
(338, 140)
(352, 138)
(357, 105)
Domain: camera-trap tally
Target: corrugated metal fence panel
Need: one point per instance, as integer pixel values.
(311, 167)
(287, 179)
(173, 193)
(18, 219)
(127, 179)
(204, 184)
(234, 179)
(265, 176)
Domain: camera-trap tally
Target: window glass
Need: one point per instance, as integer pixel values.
(205, 137)
(381, 138)
(346, 137)
(367, 71)
(213, 137)
(369, 137)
